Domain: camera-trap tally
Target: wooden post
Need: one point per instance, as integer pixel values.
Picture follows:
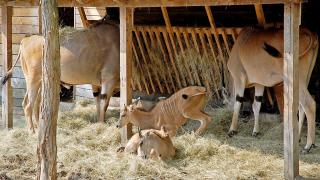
(6, 33)
(47, 148)
(126, 26)
(291, 89)
(39, 20)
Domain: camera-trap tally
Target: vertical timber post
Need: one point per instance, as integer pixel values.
(126, 26)
(39, 20)
(291, 89)
(47, 147)
(6, 33)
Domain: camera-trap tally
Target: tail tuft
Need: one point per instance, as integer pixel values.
(6, 77)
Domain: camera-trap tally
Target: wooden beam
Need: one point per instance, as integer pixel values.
(260, 15)
(50, 85)
(126, 26)
(214, 30)
(291, 89)
(172, 42)
(83, 17)
(7, 99)
(142, 3)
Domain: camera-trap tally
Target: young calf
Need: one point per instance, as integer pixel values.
(171, 113)
(151, 143)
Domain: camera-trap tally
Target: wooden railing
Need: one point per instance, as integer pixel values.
(154, 46)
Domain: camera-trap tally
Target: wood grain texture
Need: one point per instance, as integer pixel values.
(47, 147)
(291, 90)
(6, 35)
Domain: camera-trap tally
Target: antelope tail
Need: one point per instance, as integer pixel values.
(8, 74)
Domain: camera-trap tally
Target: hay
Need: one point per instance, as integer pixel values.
(87, 150)
(205, 67)
(68, 33)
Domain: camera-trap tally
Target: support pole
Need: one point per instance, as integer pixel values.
(7, 99)
(126, 26)
(39, 20)
(47, 148)
(291, 89)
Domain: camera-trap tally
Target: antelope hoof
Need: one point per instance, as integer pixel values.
(231, 133)
(120, 149)
(256, 134)
(307, 150)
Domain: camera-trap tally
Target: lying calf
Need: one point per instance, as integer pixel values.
(151, 143)
(172, 113)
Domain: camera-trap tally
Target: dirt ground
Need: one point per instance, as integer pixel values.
(87, 150)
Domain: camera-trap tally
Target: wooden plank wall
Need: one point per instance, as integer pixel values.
(25, 21)
(92, 13)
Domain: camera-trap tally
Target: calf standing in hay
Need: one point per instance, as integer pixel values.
(256, 60)
(90, 56)
(151, 143)
(170, 113)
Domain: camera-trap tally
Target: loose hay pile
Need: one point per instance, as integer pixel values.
(88, 151)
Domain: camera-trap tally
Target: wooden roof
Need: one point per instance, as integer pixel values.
(144, 3)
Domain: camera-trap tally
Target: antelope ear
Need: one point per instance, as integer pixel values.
(184, 96)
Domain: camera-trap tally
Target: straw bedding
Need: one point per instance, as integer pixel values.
(87, 150)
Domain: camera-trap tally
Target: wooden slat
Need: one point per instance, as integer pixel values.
(140, 68)
(177, 76)
(6, 33)
(144, 37)
(190, 77)
(210, 40)
(132, 85)
(145, 60)
(186, 40)
(157, 33)
(205, 48)
(143, 3)
(225, 40)
(194, 39)
(155, 45)
(171, 37)
(291, 90)
(214, 30)
(126, 26)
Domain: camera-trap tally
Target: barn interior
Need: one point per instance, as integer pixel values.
(88, 151)
(225, 16)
